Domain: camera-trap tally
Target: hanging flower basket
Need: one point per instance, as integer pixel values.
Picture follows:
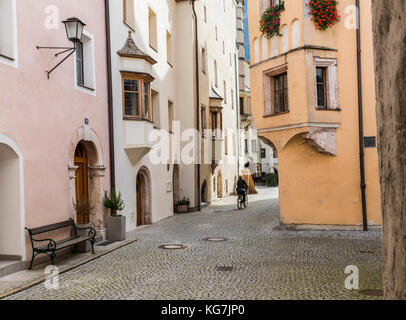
(324, 12)
(270, 22)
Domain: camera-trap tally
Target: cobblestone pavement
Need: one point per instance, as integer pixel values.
(268, 264)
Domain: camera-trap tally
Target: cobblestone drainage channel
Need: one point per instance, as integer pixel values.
(372, 292)
(216, 239)
(225, 269)
(173, 247)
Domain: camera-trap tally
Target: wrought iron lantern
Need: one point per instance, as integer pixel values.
(74, 32)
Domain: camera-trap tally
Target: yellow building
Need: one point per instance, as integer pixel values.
(305, 103)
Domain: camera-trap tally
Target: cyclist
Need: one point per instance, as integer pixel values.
(242, 188)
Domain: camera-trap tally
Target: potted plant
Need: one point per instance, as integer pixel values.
(183, 205)
(117, 225)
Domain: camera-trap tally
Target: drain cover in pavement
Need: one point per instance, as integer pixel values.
(105, 243)
(372, 292)
(216, 239)
(173, 246)
(228, 269)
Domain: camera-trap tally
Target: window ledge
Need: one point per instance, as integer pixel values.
(275, 114)
(137, 119)
(6, 57)
(85, 87)
(327, 109)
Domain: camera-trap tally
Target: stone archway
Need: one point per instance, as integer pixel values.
(144, 212)
(175, 184)
(11, 201)
(205, 193)
(88, 175)
(219, 185)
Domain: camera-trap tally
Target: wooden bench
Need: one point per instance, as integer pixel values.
(52, 246)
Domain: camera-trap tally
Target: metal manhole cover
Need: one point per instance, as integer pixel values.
(372, 292)
(226, 269)
(216, 239)
(105, 243)
(173, 247)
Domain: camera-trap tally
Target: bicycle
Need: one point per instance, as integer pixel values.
(240, 201)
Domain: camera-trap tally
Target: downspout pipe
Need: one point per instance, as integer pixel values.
(197, 105)
(110, 97)
(361, 121)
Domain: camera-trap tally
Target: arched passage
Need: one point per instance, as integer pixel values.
(11, 203)
(144, 213)
(205, 193)
(176, 185)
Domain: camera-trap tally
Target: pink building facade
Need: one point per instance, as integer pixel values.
(54, 133)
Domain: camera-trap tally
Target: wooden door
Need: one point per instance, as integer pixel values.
(82, 188)
(140, 220)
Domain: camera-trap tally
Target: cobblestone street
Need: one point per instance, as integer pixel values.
(267, 263)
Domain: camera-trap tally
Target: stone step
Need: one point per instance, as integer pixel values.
(9, 266)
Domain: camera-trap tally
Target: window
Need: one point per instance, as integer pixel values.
(226, 144)
(7, 31)
(129, 18)
(136, 96)
(204, 60)
(231, 60)
(246, 146)
(153, 37)
(216, 32)
(276, 93)
(203, 120)
(326, 87)
(254, 146)
(224, 5)
(216, 82)
(169, 48)
(80, 76)
(85, 63)
(170, 115)
(242, 106)
(156, 114)
(225, 91)
(224, 48)
(232, 99)
(321, 83)
(205, 14)
(263, 153)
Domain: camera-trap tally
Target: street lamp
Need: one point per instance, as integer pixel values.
(74, 29)
(74, 32)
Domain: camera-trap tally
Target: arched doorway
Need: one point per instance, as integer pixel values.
(82, 184)
(144, 215)
(176, 185)
(204, 196)
(219, 185)
(11, 243)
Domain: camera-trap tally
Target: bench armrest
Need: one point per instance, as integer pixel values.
(91, 232)
(51, 244)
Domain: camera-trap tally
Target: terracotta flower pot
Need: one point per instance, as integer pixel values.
(182, 208)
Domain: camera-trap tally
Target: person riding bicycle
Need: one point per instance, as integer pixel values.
(242, 188)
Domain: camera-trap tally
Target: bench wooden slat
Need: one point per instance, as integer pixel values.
(51, 227)
(66, 243)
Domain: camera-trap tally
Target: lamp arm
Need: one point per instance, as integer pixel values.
(63, 60)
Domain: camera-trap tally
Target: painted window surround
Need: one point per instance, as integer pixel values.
(89, 62)
(8, 22)
(332, 82)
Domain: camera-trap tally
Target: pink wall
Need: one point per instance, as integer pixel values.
(42, 115)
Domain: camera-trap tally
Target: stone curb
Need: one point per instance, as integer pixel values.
(38, 280)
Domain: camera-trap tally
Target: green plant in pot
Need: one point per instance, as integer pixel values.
(117, 222)
(183, 205)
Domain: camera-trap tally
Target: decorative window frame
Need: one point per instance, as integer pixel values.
(142, 78)
(6, 58)
(269, 98)
(332, 82)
